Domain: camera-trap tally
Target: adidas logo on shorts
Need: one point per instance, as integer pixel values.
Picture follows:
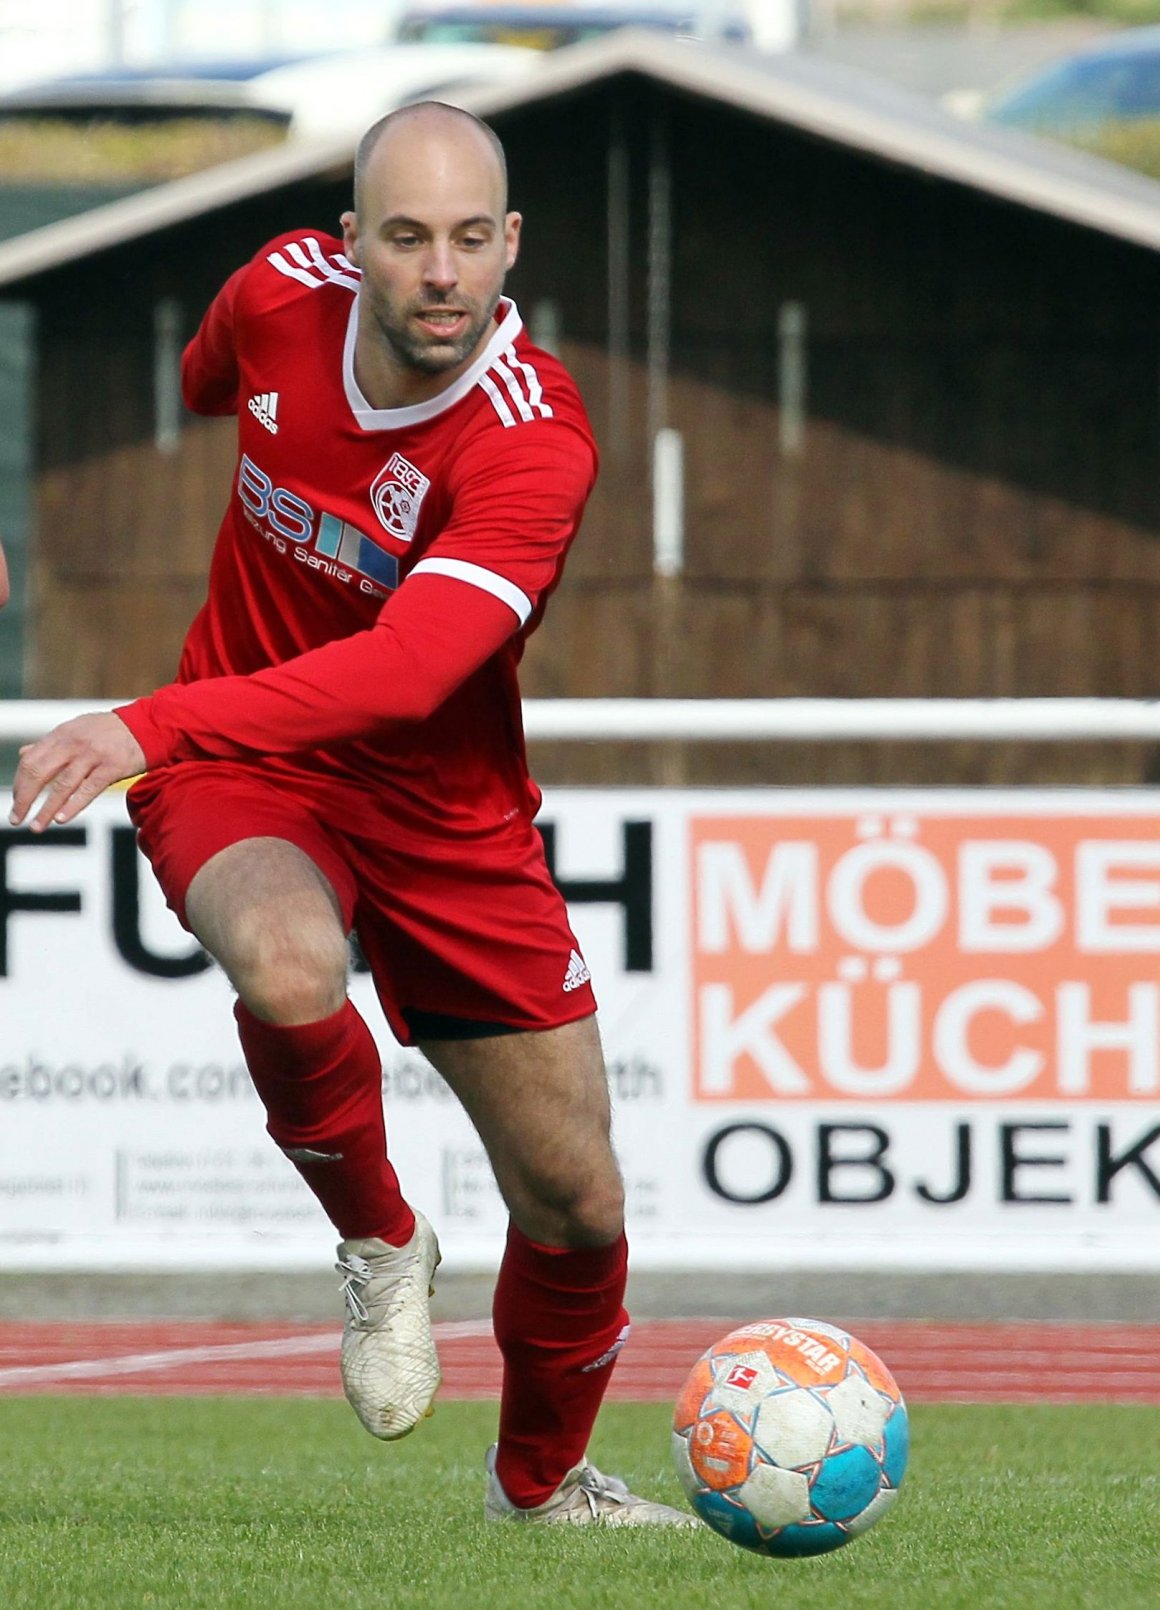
(577, 973)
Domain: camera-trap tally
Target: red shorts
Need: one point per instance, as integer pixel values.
(464, 937)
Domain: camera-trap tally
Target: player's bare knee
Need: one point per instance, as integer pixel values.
(587, 1213)
(597, 1221)
(290, 978)
(293, 1000)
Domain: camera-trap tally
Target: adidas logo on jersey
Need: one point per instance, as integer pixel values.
(264, 408)
(577, 973)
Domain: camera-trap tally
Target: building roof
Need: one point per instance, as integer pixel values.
(832, 102)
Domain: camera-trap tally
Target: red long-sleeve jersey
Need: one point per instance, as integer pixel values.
(310, 651)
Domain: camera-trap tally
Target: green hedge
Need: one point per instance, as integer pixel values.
(114, 153)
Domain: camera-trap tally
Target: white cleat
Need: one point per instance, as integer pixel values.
(390, 1370)
(585, 1497)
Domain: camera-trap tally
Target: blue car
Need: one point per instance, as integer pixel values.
(1114, 81)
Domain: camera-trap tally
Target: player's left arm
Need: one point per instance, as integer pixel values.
(478, 584)
(516, 507)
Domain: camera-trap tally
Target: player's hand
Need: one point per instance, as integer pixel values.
(71, 765)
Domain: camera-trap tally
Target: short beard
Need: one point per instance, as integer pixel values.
(415, 353)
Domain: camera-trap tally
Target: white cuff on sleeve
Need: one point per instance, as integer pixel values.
(476, 576)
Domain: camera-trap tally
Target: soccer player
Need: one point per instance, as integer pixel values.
(343, 748)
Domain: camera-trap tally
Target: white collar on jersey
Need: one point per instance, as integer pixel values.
(369, 418)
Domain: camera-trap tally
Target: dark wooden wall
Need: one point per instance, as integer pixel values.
(974, 509)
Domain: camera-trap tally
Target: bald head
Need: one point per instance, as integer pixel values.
(433, 238)
(398, 139)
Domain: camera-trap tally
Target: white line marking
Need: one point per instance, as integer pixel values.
(171, 1359)
(174, 1358)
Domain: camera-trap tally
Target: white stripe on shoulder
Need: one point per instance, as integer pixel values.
(523, 407)
(532, 380)
(303, 275)
(327, 267)
(476, 576)
(497, 402)
(302, 260)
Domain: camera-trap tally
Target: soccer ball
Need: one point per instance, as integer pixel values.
(790, 1437)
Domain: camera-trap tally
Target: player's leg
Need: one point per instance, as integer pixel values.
(266, 911)
(249, 868)
(539, 1101)
(475, 962)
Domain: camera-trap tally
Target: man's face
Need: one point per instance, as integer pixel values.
(434, 245)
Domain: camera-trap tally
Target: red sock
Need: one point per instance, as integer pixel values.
(321, 1085)
(560, 1322)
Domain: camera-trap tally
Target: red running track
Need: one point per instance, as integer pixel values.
(932, 1362)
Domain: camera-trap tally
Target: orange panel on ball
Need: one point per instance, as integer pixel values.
(719, 1450)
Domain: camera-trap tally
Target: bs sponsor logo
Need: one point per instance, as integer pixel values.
(317, 539)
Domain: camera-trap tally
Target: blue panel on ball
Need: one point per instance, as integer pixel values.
(810, 1537)
(845, 1484)
(729, 1518)
(897, 1439)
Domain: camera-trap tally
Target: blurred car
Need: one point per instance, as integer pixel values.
(144, 94)
(346, 92)
(1116, 80)
(547, 26)
(338, 93)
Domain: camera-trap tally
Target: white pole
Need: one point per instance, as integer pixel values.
(791, 376)
(839, 720)
(758, 720)
(668, 503)
(167, 409)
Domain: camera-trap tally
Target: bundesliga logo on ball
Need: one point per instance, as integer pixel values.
(790, 1437)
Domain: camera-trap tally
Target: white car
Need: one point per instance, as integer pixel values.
(343, 93)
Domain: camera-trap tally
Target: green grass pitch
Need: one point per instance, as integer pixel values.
(233, 1503)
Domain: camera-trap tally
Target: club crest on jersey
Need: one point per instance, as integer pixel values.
(397, 494)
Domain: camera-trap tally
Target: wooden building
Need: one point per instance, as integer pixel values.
(913, 366)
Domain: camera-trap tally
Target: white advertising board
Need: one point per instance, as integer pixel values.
(844, 1029)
